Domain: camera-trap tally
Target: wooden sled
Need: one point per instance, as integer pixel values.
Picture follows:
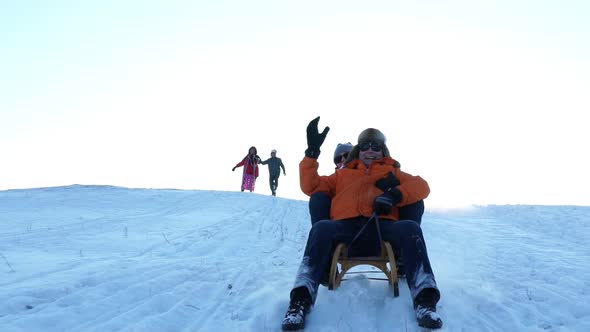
(341, 263)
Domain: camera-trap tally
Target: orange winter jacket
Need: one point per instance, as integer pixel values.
(353, 189)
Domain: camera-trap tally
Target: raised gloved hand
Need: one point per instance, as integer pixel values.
(233, 169)
(388, 183)
(315, 139)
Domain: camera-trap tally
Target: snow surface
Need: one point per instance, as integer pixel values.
(101, 258)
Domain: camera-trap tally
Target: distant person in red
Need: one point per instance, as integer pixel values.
(250, 163)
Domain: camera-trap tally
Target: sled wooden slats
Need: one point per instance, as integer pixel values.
(341, 263)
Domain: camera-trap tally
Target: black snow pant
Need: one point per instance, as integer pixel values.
(405, 237)
(274, 183)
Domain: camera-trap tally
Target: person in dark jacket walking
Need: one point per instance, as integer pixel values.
(275, 164)
(371, 186)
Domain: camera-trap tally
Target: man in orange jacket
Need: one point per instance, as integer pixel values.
(370, 185)
(320, 203)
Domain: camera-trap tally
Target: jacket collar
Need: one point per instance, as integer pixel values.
(357, 163)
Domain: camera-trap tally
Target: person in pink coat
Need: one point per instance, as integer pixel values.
(250, 164)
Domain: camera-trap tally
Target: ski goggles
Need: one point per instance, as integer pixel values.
(371, 145)
(338, 158)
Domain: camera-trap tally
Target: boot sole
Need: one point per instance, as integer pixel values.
(293, 327)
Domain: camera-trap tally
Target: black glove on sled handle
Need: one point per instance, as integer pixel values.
(383, 204)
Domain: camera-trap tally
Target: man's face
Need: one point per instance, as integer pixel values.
(370, 151)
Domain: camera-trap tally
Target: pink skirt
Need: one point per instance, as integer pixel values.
(248, 181)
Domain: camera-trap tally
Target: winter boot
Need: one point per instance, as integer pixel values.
(425, 308)
(299, 307)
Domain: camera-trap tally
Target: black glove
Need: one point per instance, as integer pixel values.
(233, 169)
(383, 204)
(388, 183)
(315, 139)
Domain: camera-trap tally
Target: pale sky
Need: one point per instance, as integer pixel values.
(485, 100)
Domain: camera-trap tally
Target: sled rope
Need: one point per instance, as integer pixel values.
(373, 217)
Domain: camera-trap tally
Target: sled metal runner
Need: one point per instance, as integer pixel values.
(341, 263)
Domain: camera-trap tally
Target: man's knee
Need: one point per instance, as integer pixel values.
(324, 229)
(322, 226)
(409, 227)
(413, 211)
(400, 229)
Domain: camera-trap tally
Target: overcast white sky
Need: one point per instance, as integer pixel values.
(486, 101)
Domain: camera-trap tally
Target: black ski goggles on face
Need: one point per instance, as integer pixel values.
(338, 159)
(370, 145)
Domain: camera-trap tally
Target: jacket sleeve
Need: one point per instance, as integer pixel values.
(264, 162)
(413, 188)
(241, 163)
(309, 179)
(282, 166)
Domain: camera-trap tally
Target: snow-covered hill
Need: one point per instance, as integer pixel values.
(100, 258)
